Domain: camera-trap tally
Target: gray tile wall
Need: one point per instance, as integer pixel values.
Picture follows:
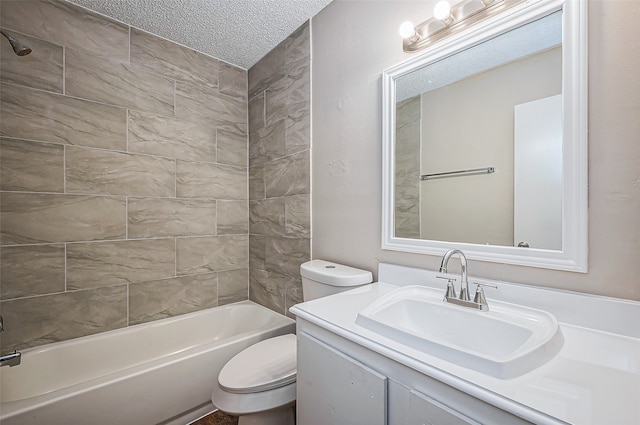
(124, 177)
(407, 168)
(279, 172)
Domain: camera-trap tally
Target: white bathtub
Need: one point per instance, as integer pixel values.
(161, 372)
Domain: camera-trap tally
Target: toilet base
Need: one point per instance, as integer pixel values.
(282, 416)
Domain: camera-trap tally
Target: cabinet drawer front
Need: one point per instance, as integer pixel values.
(424, 410)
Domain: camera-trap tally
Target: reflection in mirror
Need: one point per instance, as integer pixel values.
(484, 145)
(495, 106)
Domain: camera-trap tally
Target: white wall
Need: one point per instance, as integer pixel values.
(353, 41)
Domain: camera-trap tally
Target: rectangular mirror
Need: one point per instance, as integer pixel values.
(484, 143)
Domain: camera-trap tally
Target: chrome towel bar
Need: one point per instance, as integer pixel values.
(485, 170)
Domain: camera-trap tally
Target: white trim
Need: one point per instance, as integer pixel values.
(574, 253)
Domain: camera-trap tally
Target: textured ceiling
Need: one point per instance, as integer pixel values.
(239, 32)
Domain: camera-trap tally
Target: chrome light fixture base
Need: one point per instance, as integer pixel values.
(462, 15)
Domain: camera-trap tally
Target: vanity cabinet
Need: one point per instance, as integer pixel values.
(336, 389)
(341, 383)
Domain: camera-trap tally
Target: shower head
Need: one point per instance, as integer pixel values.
(18, 47)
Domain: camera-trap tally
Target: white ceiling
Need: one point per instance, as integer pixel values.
(239, 32)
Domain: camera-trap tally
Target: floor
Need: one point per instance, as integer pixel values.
(217, 418)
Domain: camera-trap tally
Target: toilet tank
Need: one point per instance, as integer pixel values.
(322, 278)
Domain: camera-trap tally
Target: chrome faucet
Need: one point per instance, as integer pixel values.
(12, 359)
(479, 301)
(464, 284)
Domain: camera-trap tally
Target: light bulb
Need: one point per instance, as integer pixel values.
(407, 30)
(442, 10)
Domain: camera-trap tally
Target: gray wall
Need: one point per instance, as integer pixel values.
(470, 124)
(123, 176)
(279, 172)
(352, 44)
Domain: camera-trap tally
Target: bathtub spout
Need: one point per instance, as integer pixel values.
(12, 359)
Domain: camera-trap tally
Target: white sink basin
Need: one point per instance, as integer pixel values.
(504, 342)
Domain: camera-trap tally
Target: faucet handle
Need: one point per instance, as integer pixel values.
(488, 285)
(451, 290)
(448, 277)
(479, 298)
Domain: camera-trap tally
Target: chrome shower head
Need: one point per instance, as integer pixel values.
(18, 47)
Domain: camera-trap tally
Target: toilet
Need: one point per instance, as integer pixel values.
(259, 383)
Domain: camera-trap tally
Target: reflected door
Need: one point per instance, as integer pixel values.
(538, 174)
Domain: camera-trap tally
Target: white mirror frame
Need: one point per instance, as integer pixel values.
(573, 255)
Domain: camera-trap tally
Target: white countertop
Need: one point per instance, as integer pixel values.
(594, 379)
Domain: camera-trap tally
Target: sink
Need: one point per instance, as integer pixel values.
(504, 342)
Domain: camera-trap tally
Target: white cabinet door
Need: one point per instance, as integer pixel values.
(334, 389)
(410, 407)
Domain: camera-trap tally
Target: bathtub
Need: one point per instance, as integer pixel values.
(162, 372)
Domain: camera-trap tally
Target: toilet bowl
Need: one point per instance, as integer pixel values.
(259, 383)
(260, 379)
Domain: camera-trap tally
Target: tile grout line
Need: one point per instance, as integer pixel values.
(127, 300)
(64, 71)
(150, 238)
(65, 268)
(217, 289)
(264, 123)
(126, 131)
(126, 218)
(64, 170)
(216, 219)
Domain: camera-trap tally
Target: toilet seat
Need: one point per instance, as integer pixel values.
(264, 366)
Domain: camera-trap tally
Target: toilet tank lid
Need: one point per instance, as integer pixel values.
(334, 274)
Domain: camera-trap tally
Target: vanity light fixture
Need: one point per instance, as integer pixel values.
(408, 31)
(442, 12)
(448, 20)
